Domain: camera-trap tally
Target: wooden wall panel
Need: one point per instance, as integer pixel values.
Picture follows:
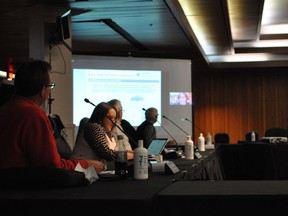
(237, 101)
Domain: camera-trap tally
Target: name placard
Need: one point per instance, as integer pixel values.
(197, 155)
(171, 168)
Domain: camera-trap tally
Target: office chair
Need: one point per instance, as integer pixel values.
(276, 132)
(60, 135)
(81, 127)
(82, 150)
(248, 136)
(221, 138)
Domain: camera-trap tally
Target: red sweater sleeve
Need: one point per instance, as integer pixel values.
(42, 149)
(27, 138)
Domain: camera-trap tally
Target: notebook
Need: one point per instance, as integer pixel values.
(156, 146)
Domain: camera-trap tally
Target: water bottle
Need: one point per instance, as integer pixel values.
(189, 148)
(140, 162)
(120, 158)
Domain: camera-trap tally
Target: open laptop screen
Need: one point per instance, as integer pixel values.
(156, 146)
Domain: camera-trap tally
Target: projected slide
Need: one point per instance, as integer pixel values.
(136, 89)
(138, 83)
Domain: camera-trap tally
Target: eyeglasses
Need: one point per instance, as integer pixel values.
(111, 118)
(51, 86)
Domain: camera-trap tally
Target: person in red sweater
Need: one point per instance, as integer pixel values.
(26, 135)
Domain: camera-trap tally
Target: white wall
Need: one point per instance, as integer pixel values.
(62, 76)
(41, 27)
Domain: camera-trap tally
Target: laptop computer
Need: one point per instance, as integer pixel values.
(156, 147)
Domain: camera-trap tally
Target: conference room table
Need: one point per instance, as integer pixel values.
(228, 197)
(110, 197)
(253, 160)
(103, 197)
(198, 188)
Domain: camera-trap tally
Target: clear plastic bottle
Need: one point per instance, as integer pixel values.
(189, 148)
(201, 143)
(120, 158)
(120, 145)
(140, 162)
(208, 139)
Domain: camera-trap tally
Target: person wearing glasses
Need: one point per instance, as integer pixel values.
(25, 130)
(99, 142)
(146, 130)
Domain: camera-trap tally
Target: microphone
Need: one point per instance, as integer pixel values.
(175, 124)
(88, 101)
(162, 127)
(193, 124)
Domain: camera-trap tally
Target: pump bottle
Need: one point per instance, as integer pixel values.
(253, 137)
(140, 162)
(201, 143)
(208, 139)
(189, 148)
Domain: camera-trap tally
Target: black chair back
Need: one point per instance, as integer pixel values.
(60, 135)
(221, 138)
(82, 124)
(276, 132)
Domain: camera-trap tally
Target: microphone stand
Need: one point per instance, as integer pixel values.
(195, 125)
(176, 125)
(50, 100)
(88, 101)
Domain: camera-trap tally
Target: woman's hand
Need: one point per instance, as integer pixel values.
(99, 166)
(130, 155)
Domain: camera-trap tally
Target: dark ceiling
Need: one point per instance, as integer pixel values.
(146, 28)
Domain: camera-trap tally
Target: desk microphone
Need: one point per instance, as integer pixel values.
(162, 127)
(175, 125)
(88, 101)
(186, 119)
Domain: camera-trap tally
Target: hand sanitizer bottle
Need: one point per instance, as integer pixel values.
(189, 148)
(208, 139)
(253, 137)
(140, 162)
(201, 143)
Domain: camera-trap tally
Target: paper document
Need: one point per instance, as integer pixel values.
(90, 173)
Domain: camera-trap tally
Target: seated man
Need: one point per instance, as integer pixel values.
(123, 126)
(25, 130)
(146, 130)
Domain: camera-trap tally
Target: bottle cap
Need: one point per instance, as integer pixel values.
(140, 143)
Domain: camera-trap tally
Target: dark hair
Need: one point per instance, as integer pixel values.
(100, 111)
(31, 77)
